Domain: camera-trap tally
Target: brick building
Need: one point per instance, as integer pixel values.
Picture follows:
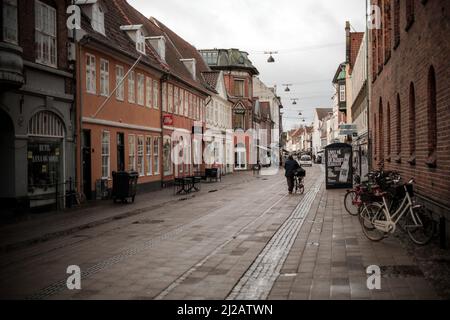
(141, 96)
(238, 72)
(37, 129)
(410, 95)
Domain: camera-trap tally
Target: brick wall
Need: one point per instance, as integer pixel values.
(423, 46)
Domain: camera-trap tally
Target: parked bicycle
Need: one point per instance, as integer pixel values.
(378, 220)
(376, 180)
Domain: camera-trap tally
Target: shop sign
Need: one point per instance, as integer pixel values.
(168, 120)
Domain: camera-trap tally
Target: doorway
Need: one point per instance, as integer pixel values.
(87, 178)
(120, 151)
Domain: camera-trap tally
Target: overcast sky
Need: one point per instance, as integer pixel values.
(308, 34)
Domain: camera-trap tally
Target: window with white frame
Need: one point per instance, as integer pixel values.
(186, 104)
(131, 152)
(216, 113)
(140, 41)
(104, 77)
(156, 143)
(155, 94)
(131, 88)
(148, 92)
(106, 162)
(191, 105)
(45, 34)
(176, 96)
(98, 19)
(170, 97)
(140, 156)
(342, 93)
(148, 154)
(140, 89)
(164, 97)
(182, 101)
(120, 74)
(10, 25)
(91, 77)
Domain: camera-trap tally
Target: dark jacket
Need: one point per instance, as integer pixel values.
(291, 166)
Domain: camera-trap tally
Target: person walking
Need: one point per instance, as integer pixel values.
(291, 167)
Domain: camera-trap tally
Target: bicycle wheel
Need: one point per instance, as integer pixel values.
(301, 188)
(349, 203)
(370, 213)
(421, 232)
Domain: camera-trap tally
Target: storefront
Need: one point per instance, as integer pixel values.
(45, 155)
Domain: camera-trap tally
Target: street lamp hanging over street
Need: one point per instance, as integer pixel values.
(287, 87)
(294, 101)
(271, 58)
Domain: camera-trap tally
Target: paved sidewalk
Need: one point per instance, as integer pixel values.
(331, 254)
(43, 227)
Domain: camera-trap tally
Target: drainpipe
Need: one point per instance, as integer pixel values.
(368, 81)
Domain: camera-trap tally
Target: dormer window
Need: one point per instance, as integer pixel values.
(140, 41)
(98, 19)
(136, 33)
(159, 45)
(94, 10)
(191, 65)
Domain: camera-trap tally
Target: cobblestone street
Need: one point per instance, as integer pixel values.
(244, 238)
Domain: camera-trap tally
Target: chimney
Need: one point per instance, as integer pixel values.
(348, 41)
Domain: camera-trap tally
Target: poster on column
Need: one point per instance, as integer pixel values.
(338, 166)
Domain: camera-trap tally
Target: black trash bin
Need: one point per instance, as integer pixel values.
(124, 186)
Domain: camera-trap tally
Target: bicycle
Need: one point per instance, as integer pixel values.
(377, 180)
(378, 222)
(299, 187)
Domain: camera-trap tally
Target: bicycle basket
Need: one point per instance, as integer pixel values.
(397, 191)
(368, 197)
(300, 173)
(410, 189)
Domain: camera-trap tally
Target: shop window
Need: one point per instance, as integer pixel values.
(45, 151)
(167, 161)
(131, 153)
(156, 144)
(140, 156)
